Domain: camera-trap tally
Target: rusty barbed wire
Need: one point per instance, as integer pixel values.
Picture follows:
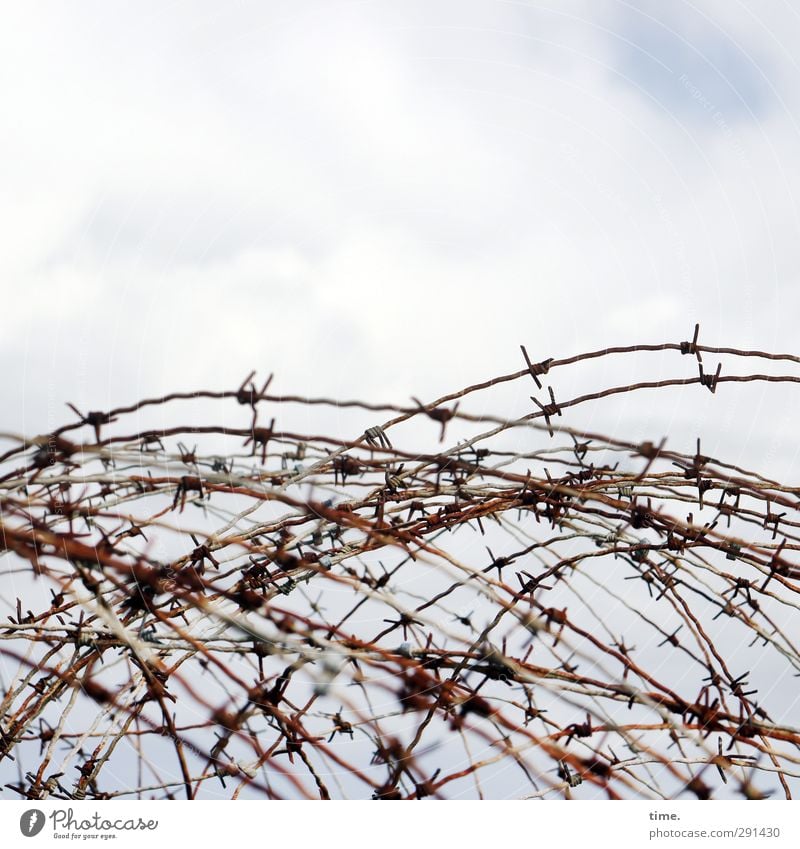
(278, 614)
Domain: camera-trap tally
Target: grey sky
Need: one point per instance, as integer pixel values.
(197, 189)
(383, 199)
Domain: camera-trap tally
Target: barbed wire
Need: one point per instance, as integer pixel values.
(294, 615)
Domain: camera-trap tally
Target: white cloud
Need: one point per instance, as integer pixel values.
(374, 199)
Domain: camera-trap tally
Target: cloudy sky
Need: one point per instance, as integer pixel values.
(374, 199)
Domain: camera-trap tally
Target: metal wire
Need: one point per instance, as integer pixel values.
(293, 615)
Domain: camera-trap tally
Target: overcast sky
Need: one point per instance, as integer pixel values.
(383, 199)
(374, 199)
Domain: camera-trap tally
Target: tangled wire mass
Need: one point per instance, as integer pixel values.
(529, 611)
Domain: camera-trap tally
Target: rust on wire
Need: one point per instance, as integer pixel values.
(294, 615)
